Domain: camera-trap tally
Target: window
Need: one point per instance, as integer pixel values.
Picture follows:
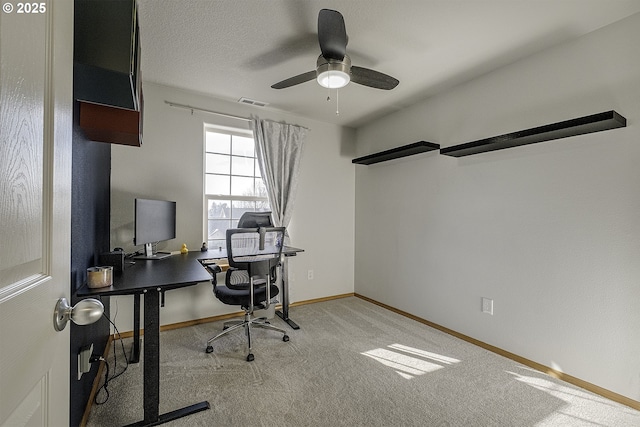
(233, 184)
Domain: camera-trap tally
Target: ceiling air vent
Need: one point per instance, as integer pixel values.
(252, 102)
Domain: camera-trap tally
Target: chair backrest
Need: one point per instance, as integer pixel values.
(247, 246)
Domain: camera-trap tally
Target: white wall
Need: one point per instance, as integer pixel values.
(550, 232)
(169, 165)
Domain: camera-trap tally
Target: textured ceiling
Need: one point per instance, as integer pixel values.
(239, 48)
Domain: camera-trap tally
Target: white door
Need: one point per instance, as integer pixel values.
(36, 62)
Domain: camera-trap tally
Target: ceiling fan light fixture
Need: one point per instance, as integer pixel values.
(333, 74)
(333, 79)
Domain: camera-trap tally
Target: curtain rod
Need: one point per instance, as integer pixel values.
(189, 107)
(231, 116)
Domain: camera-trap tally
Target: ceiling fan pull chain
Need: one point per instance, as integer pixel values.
(337, 103)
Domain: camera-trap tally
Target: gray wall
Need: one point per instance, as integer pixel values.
(550, 232)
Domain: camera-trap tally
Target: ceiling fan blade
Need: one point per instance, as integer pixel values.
(292, 47)
(332, 34)
(295, 80)
(371, 78)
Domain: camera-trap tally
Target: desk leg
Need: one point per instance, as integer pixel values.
(151, 363)
(151, 368)
(135, 348)
(284, 314)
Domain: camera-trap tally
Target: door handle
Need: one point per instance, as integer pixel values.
(85, 312)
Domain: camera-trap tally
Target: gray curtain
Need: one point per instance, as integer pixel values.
(279, 151)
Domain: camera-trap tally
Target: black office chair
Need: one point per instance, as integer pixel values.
(258, 251)
(249, 220)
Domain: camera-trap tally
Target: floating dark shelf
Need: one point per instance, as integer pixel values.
(396, 153)
(588, 124)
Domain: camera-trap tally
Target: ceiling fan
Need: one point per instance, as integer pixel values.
(333, 68)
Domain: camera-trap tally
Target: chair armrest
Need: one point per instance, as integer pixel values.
(213, 269)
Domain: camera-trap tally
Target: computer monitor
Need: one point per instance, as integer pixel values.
(255, 220)
(155, 221)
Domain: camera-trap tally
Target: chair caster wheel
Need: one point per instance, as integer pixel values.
(250, 357)
(209, 349)
(285, 338)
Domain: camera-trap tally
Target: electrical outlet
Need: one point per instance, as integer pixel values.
(310, 275)
(84, 359)
(487, 306)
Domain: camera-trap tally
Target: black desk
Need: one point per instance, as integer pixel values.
(152, 278)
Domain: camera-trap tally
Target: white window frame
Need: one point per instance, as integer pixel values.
(218, 240)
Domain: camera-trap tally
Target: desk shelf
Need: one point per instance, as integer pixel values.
(579, 126)
(396, 153)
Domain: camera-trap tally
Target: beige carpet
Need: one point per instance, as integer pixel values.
(352, 363)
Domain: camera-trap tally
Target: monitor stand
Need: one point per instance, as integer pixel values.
(148, 253)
